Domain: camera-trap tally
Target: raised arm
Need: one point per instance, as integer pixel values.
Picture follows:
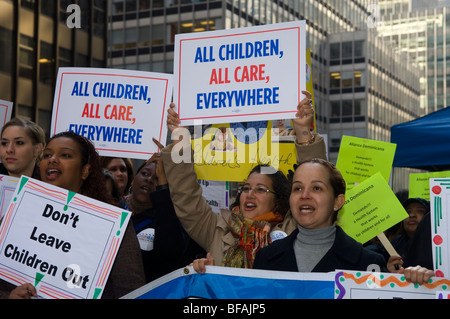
(308, 144)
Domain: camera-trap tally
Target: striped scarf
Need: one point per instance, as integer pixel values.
(251, 235)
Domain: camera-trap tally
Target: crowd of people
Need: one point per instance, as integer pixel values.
(172, 224)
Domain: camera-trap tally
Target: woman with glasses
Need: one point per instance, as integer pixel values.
(261, 210)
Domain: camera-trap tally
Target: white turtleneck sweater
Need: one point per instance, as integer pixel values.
(311, 245)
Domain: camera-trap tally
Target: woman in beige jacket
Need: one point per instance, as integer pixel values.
(233, 236)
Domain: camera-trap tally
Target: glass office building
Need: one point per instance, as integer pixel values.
(422, 30)
(35, 41)
(142, 31)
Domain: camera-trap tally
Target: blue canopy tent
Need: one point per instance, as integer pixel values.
(423, 143)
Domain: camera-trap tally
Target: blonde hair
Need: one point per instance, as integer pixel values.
(34, 131)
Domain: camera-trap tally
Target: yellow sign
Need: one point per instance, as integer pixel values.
(370, 208)
(228, 152)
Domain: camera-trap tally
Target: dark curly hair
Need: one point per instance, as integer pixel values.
(94, 185)
(280, 185)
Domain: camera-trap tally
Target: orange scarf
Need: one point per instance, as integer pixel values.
(251, 235)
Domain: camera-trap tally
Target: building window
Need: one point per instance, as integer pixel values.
(46, 63)
(5, 50)
(65, 57)
(347, 50)
(49, 9)
(29, 4)
(335, 51)
(335, 80)
(117, 7)
(347, 79)
(26, 56)
(359, 48)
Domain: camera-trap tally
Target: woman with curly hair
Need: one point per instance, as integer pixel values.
(260, 214)
(70, 161)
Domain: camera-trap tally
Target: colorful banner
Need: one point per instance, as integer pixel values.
(234, 283)
(439, 210)
(62, 242)
(360, 158)
(375, 285)
(119, 110)
(370, 208)
(240, 75)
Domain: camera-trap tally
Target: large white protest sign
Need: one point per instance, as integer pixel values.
(239, 75)
(119, 110)
(440, 225)
(5, 111)
(8, 185)
(62, 242)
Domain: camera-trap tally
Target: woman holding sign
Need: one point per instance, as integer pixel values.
(165, 246)
(21, 145)
(70, 161)
(233, 237)
(318, 244)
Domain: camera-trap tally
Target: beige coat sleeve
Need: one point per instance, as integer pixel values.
(191, 207)
(314, 150)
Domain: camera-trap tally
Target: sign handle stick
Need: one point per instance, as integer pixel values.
(387, 244)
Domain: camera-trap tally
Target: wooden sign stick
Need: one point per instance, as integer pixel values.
(387, 244)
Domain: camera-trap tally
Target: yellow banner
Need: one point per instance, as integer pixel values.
(228, 152)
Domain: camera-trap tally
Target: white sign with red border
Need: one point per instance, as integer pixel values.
(239, 75)
(119, 110)
(5, 112)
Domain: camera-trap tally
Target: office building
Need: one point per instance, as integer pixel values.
(36, 39)
(422, 30)
(360, 89)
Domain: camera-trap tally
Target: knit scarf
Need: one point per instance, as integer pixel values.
(251, 235)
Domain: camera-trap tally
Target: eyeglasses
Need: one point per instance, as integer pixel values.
(257, 190)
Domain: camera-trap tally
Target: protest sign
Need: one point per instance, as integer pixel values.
(216, 194)
(439, 210)
(310, 86)
(376, 285)
(7, 187)
(5, 112)
(228, 152)
(238, 75)
(360, 158)
(370, 208)
(419, 183)
(119, 110)
(62, 242)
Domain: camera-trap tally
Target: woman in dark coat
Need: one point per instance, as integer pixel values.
(318, 244)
